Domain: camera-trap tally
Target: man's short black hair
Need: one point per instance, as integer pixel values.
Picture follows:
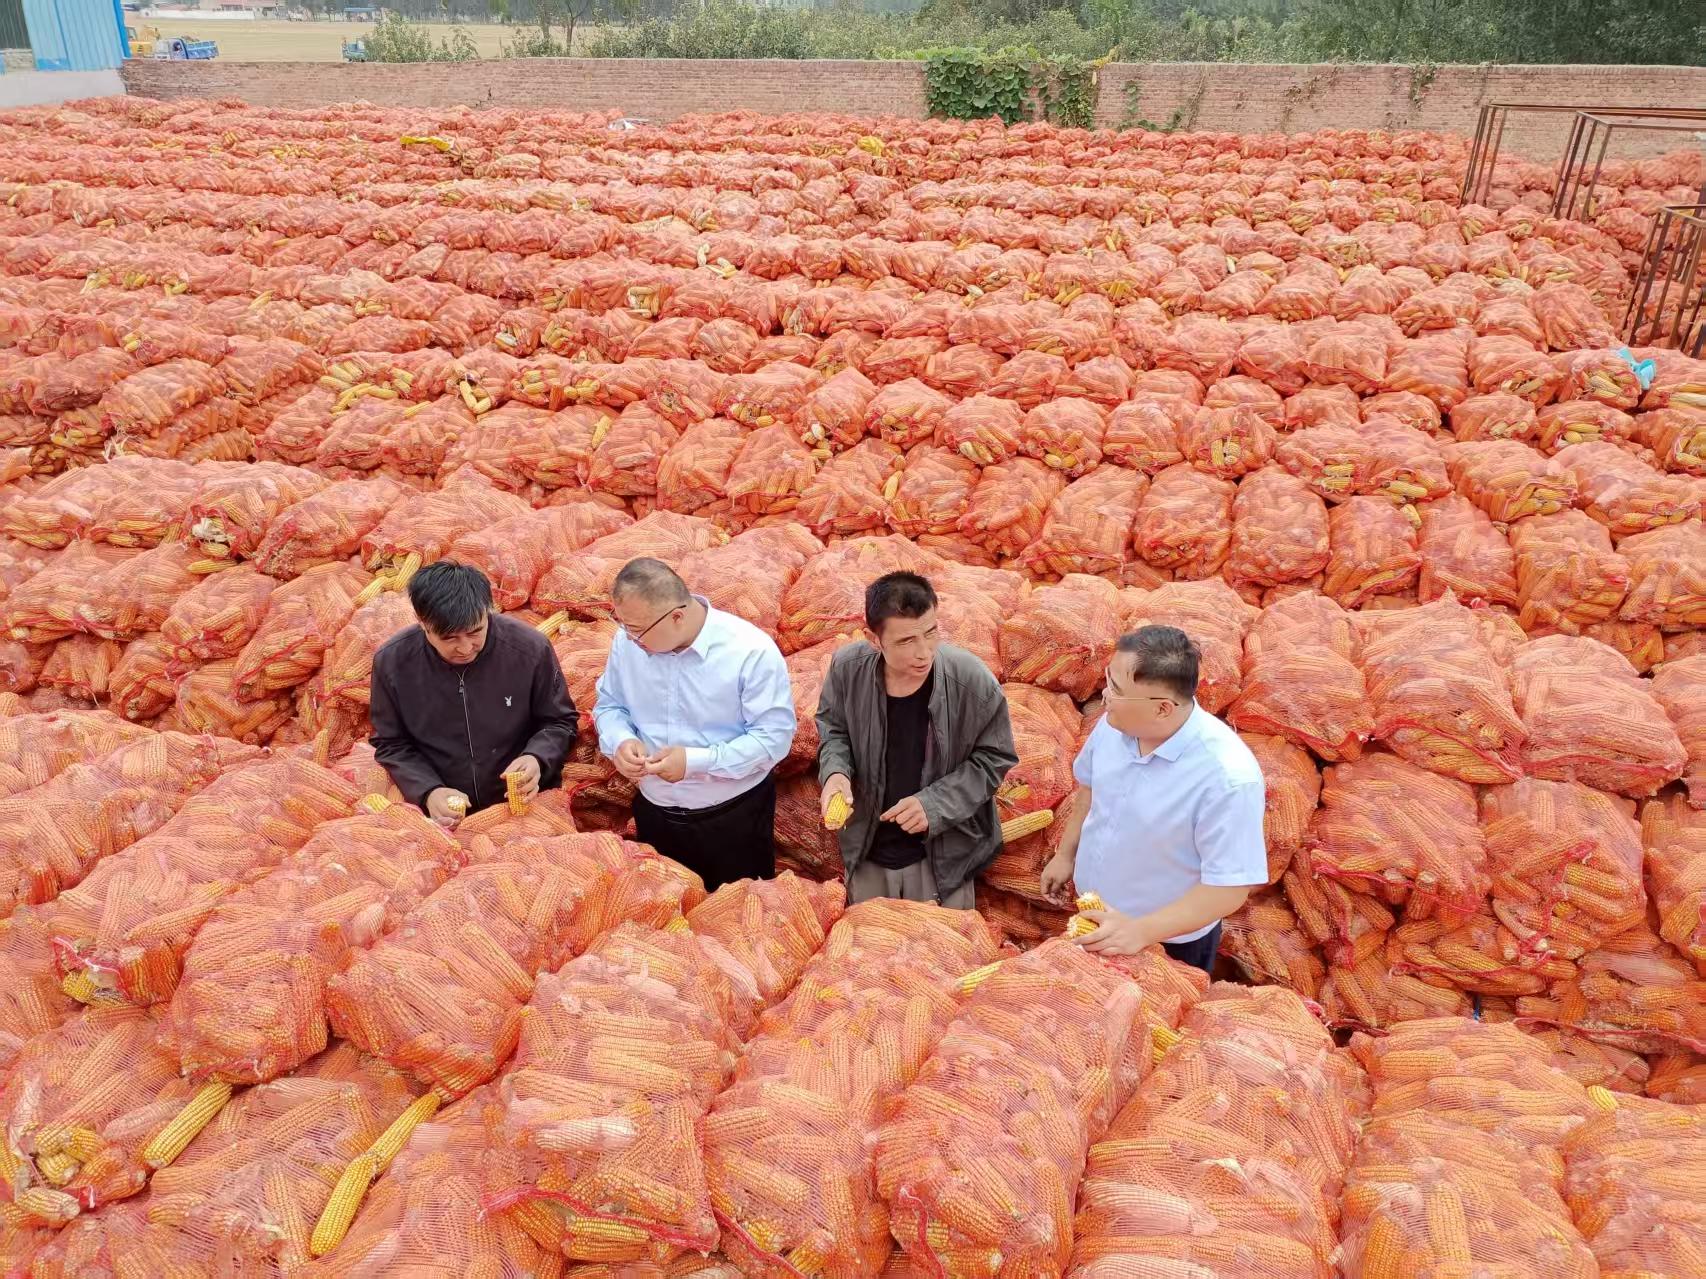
(449, 597)
(897, 595)
(1163, 655)
(652, 580)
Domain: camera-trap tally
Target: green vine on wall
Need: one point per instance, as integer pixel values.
(1013, 84)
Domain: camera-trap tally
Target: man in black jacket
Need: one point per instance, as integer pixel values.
(466, 697)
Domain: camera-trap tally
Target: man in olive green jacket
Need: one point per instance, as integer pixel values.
(915, 738)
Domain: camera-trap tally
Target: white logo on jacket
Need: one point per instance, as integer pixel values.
(509, 701)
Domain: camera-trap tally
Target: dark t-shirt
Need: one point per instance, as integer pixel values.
(909, 721)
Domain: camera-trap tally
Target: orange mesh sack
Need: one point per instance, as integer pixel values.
(694, 474)
(132, 501)
(429, 524)
(231, 514)
(1063, 636)
(1255, 1069)
(1625, 494)
(983, 429)
(763, 932)
(787, 1146)
(1680, 688)
(1508, 480)
(452, 1025)
(209, 702)
(1667, 579)
(516, 552)
(1373, 550)
(43, 608)
(1439, 697)
(1185, 523)
(1635, 991)
(1211, 613)
(1088, 526)
(251, 1004)
(127, 925)
(82, 1102)
(1017, 921)
(1494, 417)
(1677, 437)
(1476, 953)
(1588, 717)
(850, 495)
(1227, 442)
(1464, 553)
(775, 392)
(980, 1158)
(906, 413)
(243, 1199)
(1293, 791)
(1009, 505)
(136, 596)
(1400, 833)
(216, 618)
(1279, 530)
(1144, 433)
(1405, 462)
(303, 618)
(1265, 940)
(31, 1001)
(836, 415)
(53, 834)
(802, 843)
(1370, 994)
(339, 690)
(326, 527)
(750, 574)
(1566, 864)
(1333, 458)
(1568, 577)
(1301, 679)
(35, 748)
(625, 462)
(828, 597)
(1557, 426)
(806, 671)
(1065, 434)
(81, 666)
(1630, 1177)
(581, 583)
(934, 490)
(1045, 728)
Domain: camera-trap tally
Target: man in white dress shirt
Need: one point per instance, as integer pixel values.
(1167, 823)
(695, 706)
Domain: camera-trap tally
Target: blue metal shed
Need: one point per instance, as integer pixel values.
(76, 35)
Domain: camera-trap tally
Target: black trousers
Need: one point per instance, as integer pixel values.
(1199, 953)
(730, 841)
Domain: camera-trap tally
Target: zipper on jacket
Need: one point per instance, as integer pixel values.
(468, 724)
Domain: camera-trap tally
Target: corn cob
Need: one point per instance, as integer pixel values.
(1016, 828)
(837, 812)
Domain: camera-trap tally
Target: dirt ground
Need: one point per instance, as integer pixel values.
(312, 41)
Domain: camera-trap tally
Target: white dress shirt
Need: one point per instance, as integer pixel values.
(1187, 813)
(726, 697)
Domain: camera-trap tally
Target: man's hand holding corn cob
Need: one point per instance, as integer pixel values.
(835, 814)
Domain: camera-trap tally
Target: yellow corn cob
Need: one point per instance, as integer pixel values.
(372, 591)
(678, 925)
(11, 1166)
(1078, 926)
(836, 814)
(976, 977)
(1162, 1040)
(517, 804)
(553, 624)
(80, 986)
(169, 1143)
(1602, 1097)
(457, 805)
(340, 1209)
(1091, 901)
(373, 803)
(1026, 824)
(389, 1142)
(44, 1204)
(58, 1168)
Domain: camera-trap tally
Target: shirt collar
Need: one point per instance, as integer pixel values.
(1176, 745)
(702, 642)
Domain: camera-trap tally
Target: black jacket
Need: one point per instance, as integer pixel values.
(435, 724)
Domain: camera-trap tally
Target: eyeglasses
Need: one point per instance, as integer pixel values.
(639, 635)
(1108, 695)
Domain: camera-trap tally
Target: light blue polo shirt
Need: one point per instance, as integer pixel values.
(1188, 813)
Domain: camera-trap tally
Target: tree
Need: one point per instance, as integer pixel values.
(498, 10)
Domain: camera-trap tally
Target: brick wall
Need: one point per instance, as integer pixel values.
(1219, 96)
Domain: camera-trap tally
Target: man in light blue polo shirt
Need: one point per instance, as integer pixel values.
(1167, 823)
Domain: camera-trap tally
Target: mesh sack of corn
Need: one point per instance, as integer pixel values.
(1371, 994)
(1406, 464)
(1321, 406)
(515, 552)
(1301, 679)
(38, 746)
(254, 369)
(209, 701)
(556, 451)
(1264, 939)
(211, 432)
(1144, 433)
(441, 995)
(1588, 717)
(1349, 926)
(214, 619)
(1211, 613)
(1667, 578)
(1624, 493)
(1065, 434)
(1636, 991)
(31, 1001)
(123, 931)
(750, 574)
(150, 509)
(1333, 458)
(963, 370)
(771, 473)
(934, 490)
(983, 429)
(337, 694)
(776, 392)
(143, 685)
(1566, 862)
(1185, 523)
(626, 460)
(354, 437)
(153, 341)
(251, 1004)
(1017, 920)
(835, 414)
(1401, 833)
(507, 446)
(1293, 792)
(1675, 834)
(231, 514)
(1240, 391)
(685, 391)
(1206, 346)
(1510, 366)
(803, 844)
(1231, 1156)
(1088, 526)
(80, 1106)
(1279, 530)
(788, 1160)
(1557, 426)
(897, 361)
(151, 399)
(429, 524)
(581, 583)
(243, 1199)
(1570, 317)
(850, 495)
(1463, 552)
(1568, 577)
(1349, 355)
(1500, 416)
(136, 595)
(303, 618)
(1440, 698)
(828, 597)
(326, 527)
(806, 671)
(1676, 436)
(1227, 442)
(1631, 1177)
(1063, 635)
(81, 666)
(1045, 726)
(1509, 480)
(1374, 550)
(43, 608)
(1007, 509)
(52, 834)
(693, 476)
(973, 601)
(763, 932)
